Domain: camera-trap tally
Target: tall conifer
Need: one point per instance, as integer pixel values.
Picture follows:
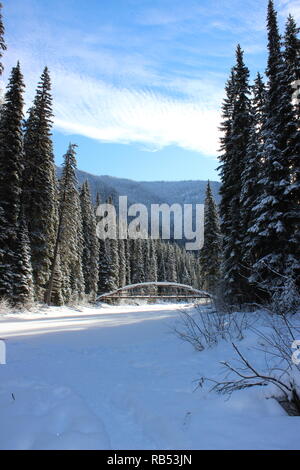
(210, 254)
(11, 170)
(40, 186)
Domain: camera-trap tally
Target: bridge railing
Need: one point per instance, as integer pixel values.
(122, 291)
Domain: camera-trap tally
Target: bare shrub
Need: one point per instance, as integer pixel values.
(285, 298)
(282, 371)
(207, 326)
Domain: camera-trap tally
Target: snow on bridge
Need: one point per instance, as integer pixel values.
(195, 293)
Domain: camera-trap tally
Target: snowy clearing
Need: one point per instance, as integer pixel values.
(118, 378)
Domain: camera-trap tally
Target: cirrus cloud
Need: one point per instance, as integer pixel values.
(107, 113)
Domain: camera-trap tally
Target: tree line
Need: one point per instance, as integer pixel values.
(260, 171)
(49, 250)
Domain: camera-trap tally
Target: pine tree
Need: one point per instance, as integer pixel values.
(40, 186)
(2, 41)
(104, 279)
(90, 243)
(210, 254)
(271, 241)
(292, 50)
(161, 266)
(170, 263)
(11, 169)
(152, 274)
(236, 126)
(137, 262)
(150, 264)
(2, 49)
(122, 263)
(71, 236)
(127, 248)
(251, 175)
(113, 256)
(23, 292)
(292, 63)
(225, 157)
(185, 277)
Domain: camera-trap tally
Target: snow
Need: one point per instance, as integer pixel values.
(116, 377)
(154, 284)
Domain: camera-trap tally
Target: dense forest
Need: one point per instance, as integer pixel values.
(49, 250)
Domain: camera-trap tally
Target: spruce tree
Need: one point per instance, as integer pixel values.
(23, 292)
(292, 50)
(2, 49)
(292, 65)
(251, 174)
(271, 242)
(236, 128)
(150, 264)
(225, 157)
(104, 279)
(2, 40)
(113, 254)
(40, 186)
(11, 169)
(137, 262)
(152, 274)
(161, 265)
(90, 243)
(122, 263)
(210, 254)
(127, 249)
(71, 236)
(170, 263)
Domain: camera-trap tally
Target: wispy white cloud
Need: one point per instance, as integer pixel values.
(117, 85)
(106, 113)
(290, 7)
(153, 109)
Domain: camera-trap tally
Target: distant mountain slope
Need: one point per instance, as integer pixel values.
(147, 192)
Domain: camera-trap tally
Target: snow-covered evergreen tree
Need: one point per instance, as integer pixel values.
(71, 236)
(90, 243)
(105, 283)
(225, 157)
(161, 266)
(150, 264)
(251, 174)
(127, 249)
(2, 49)
(152, 273)
(11, 169)
(23, 292)
(40, 186)
(112, 246)
(137, 262)
(109, 263)
(272, 232)
(236, 128)
(210, 254)
(122, 263)
(2, 40)
(170, 263)
(292, 62)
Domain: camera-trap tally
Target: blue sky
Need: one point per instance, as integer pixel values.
(137, 84)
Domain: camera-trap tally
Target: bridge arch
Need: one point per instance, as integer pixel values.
(197, 293)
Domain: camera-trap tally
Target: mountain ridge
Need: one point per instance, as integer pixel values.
(147, 192)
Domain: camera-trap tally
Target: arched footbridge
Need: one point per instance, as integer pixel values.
(171, 290)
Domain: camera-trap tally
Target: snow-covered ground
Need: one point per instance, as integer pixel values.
(118, 378)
